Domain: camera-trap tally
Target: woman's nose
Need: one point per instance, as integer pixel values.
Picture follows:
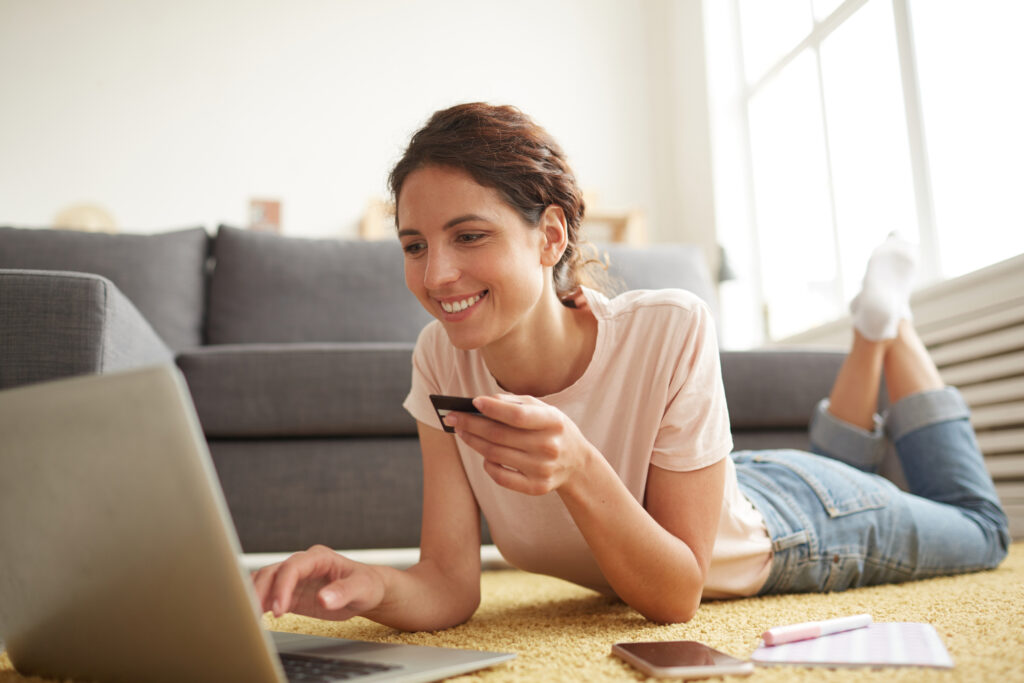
(441, 269)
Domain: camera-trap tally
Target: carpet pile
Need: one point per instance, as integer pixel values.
(562, 632)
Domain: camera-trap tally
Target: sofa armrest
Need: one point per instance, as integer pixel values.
(57, 324)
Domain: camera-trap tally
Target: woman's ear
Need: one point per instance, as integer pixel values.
(555, 232)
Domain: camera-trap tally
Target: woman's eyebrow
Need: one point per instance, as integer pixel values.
(464, 219)
(469, 217)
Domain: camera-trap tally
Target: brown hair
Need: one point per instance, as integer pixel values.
(502, 148)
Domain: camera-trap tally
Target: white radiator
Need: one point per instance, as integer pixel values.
(974, 328)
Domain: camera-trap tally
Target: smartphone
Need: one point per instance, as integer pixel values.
(681, 659)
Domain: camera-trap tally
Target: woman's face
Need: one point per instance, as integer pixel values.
(470, 259)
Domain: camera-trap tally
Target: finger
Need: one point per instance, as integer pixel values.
(279, 597)
(483, 427)
(262, 580)
(500, 442)
(334, 595)
(522, 412)
(296, 568)
(355, 594)
(488, 436)
(497, 453)
(343, 594)
(510, 479)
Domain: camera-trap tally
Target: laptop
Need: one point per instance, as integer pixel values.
(118, 558)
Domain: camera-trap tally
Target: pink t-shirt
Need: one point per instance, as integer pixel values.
(652, 395)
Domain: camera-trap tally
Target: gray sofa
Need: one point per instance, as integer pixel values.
(297, 353)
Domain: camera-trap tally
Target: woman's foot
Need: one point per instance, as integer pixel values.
(884, 299)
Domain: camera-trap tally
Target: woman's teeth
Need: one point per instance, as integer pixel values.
(456, 306)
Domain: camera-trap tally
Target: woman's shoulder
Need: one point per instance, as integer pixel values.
(656, 303)
(638, 316)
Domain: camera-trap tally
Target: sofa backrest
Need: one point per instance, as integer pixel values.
(267, 288)
(772, 394)
(163, 274)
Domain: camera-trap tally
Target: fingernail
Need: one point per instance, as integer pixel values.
(276, 607)
(451, 419)
(331, 599)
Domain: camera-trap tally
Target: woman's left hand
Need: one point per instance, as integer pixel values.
(527, 445)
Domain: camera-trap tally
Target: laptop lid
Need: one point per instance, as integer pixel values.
(120, 562)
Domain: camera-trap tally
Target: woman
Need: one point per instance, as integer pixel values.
(602, 452)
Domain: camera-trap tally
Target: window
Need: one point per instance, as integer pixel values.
(856, 119)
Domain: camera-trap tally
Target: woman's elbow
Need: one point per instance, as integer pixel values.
(461, 610)
(671, 612)
(458, 613)
(469, 608)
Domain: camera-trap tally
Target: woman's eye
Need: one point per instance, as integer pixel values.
(470, 237)
(413, 248)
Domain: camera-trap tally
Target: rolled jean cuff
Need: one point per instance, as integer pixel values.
(840, 440)
(923, 409)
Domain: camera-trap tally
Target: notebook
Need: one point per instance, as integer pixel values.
(876, 645)
(120, 562)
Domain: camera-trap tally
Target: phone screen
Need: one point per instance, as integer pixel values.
(680, 658)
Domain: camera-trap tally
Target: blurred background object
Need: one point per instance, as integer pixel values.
(85, 217)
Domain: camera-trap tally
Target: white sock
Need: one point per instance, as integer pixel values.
(884, 299)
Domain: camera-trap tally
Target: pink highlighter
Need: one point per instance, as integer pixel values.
(813, 629)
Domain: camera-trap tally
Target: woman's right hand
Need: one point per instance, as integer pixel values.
(319, 583)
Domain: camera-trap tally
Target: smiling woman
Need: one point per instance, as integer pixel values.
(600, 453)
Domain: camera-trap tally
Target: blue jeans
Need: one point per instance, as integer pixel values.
(834, 524)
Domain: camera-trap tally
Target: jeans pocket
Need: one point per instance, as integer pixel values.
(841, 489)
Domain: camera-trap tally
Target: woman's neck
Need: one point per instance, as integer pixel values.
(546, 355)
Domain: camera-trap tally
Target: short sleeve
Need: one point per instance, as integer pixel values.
(694, 431)
(425, 368)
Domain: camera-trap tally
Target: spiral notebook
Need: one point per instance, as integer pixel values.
(876, 645)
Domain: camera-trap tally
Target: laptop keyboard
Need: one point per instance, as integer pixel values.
(309, 669)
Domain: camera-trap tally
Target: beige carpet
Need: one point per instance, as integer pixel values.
(564, 633)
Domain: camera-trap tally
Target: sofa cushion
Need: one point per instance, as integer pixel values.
(363, 492)
(268, 288)
(300, 390)
(162, 274)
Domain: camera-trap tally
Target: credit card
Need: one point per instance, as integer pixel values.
(446, 404)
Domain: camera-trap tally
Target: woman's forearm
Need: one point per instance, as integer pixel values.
(426, 597)
(652, 570)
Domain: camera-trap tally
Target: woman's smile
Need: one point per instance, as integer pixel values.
(456, 306)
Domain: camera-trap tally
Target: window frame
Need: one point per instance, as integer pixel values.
(747, 90)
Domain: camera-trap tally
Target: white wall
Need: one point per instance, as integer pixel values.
(173, 114)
